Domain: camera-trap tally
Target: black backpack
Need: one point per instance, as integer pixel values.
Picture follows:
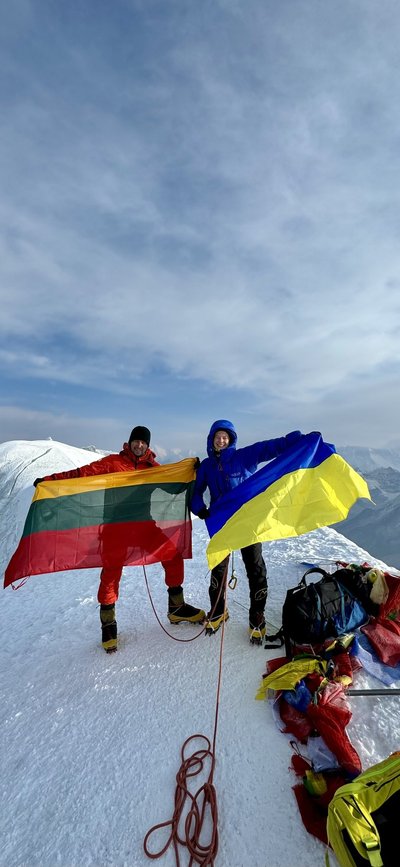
(314, 612)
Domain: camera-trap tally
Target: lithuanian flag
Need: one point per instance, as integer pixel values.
(308, 487)
(116, 519)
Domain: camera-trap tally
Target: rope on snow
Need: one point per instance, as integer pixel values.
(203, 804)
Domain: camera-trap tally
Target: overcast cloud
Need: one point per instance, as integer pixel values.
(200, 218)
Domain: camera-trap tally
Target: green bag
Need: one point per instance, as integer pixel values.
(363, 817)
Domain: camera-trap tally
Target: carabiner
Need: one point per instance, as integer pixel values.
(233, 580)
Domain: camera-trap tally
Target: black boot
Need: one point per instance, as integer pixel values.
(217, 613)
(179, 611)
(217, 597)
(108, 628)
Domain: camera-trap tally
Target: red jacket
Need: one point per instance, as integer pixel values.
(120, 463)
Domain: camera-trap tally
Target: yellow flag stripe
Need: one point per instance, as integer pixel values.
(182, 471)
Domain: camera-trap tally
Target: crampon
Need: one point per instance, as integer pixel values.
(214, 623)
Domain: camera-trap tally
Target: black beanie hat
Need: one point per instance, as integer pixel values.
(140, 433)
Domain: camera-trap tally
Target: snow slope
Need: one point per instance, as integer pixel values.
(90, 743)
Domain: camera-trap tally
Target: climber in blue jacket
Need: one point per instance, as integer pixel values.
(224, 469)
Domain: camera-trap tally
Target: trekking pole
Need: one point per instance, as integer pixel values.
(387, 691)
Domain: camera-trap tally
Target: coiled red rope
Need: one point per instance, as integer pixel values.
(191, 810)
(195, 816)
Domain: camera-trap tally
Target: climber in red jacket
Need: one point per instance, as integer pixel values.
(135, 455)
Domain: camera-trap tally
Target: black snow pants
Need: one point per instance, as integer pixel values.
(256, 572)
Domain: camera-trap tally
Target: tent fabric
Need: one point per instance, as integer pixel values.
(383, 632)
(384, 636)
(330, 716)
(389, 675)
(289, 674)
(294, 721)
(392, 604)
(314, 807)
(313, 815)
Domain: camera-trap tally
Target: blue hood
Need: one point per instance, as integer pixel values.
(221, 424)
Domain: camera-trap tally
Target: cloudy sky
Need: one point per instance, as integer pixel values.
(199, 219)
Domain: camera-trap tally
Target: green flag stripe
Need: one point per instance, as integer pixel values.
(168, 502)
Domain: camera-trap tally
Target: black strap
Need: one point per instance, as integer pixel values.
(278, 637)
(313, 569)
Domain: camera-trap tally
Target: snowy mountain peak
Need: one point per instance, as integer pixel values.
(88, 736)
(366, 459)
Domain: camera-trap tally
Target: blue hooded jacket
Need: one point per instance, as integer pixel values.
(223, 471)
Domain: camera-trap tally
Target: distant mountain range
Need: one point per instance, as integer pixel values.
(375, 526)
(364, 459)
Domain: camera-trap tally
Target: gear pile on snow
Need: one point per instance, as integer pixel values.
(310, 703)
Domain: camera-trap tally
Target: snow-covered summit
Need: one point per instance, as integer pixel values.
(91, 743)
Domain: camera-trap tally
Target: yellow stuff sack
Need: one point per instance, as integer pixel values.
(364, 817)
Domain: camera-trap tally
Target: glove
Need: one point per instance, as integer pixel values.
(37, 482)
(204, 513)
(196, 463)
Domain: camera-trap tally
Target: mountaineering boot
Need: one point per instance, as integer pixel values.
(257, 627)
(179, 611)
(213, 623)
(217, 613)
(108, 628)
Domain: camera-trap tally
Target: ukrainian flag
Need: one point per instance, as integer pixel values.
(308, 487)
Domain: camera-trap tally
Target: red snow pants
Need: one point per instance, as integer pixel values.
(110, 578)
